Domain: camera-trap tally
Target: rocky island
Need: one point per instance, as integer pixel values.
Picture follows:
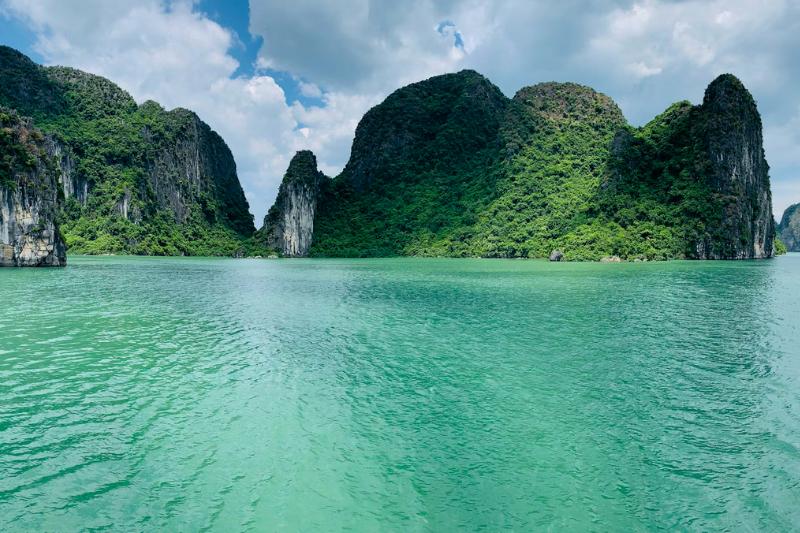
(130, 179)
(789, 228)
(451, 167)
(448, 166)
(289, 224)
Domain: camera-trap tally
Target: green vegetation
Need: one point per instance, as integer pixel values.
(422, 167)
(133, 161)
(538, 179)
(450, 167)
(445, 167)
(656, 190)
(18, 151)
(556, 139)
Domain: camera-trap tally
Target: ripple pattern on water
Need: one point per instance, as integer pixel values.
(404, 394)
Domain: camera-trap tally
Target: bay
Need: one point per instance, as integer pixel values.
(193, 394)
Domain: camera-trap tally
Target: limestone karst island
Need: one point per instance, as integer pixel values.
(463, 266)
(446, 167)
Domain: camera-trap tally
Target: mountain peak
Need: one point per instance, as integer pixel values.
(726, 90)
(301, 160)
(302, 167)
(569, 101)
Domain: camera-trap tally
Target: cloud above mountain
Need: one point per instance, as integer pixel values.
(343, 57)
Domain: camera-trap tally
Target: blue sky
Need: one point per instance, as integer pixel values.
(273, 77)
(16, 34)
(235, 15)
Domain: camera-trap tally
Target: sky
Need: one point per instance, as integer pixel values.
(273, 77)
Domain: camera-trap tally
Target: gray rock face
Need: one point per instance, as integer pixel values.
(289, 224)
(166, 172)
(556, 255)
(73, 185)
(789, 228)
(739, 173)
(188, 166)
(29, 194)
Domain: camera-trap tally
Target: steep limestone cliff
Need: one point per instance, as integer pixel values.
(188, 165)
(29, 194)
(789, 228)
(694, 181)
(289, 224)
(739, 174)
(450, 167)
(137, 179)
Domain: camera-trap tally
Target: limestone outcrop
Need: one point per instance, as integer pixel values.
(789, 228)
(29, 195)
(739, 174)
(289, 224)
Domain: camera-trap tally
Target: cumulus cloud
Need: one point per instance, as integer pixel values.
(782, 145)
(346, 56)
(174, 54)
(310, 90)
(356, 45)
(673, 49)
(152, 50)
(328, 128)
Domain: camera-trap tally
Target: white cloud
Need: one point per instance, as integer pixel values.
(692, 45)
(329, 128)
(362, 46)
(177, 56)
(152, 50)
(310, 90)
(640, 69)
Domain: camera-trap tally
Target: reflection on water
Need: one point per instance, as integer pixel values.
(406, 394)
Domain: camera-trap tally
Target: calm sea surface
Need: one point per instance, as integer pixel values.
(141, 394)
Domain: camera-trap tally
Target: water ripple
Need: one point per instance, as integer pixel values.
(422, 395)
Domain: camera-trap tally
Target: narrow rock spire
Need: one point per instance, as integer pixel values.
(289, 224)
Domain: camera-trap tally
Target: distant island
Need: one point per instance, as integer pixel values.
(447, 167)
(789, 228)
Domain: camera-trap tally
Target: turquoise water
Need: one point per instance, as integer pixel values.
(142, 394)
